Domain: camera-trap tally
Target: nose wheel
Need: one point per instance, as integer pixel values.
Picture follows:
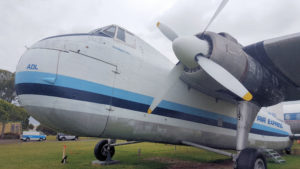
(103, 151)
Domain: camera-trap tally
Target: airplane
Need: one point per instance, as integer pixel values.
(109, 83)
(289, 113)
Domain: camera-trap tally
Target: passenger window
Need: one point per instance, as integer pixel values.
(130, 39)
(121, 34)
(110, 31)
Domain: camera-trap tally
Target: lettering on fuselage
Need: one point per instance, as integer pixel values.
(269, 121)
(32, 67)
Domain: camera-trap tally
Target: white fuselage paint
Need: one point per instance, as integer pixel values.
(129, 77)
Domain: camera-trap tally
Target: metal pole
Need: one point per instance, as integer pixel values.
(120, 144)
(209, 149)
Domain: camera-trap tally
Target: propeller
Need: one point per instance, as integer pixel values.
(168, 32)
(225, 78)
(221, 6)
(170, 81)
(191, 52)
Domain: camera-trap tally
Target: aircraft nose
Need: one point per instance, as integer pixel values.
(35, 75)
(53, 96)
(39, 64)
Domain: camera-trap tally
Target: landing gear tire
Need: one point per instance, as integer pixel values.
(288, 151)
(251, 158)
(101, 150)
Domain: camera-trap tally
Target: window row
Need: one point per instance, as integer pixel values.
(118, 33)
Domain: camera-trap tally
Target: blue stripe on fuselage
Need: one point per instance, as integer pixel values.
(83, 85)
(73, 88)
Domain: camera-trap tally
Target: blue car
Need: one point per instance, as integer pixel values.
(33, 135)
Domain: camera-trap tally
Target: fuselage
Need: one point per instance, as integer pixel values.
(100, 86)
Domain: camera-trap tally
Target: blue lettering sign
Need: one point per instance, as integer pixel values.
(271, 122)
(32, 67)
(261, 119)
(275, 123)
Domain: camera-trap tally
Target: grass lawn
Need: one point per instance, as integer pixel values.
(47, 155)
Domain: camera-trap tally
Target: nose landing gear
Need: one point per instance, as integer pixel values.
(104, 151)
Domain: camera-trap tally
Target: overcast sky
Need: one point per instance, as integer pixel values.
(23, 22)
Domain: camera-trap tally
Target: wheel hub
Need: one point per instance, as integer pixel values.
(259, 164)
(104, 150)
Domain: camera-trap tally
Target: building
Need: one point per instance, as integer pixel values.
(11, 128)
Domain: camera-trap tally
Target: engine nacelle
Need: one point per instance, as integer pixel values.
(228, 53)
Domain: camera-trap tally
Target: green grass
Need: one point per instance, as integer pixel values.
(292, 161)
(47, 155)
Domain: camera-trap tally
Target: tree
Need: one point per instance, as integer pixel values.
(3, 118)
(7, 87)
(10, 112)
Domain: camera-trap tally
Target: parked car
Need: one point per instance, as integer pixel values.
(33, 135)
(64, 137)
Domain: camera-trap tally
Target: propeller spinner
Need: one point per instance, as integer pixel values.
(191, 52)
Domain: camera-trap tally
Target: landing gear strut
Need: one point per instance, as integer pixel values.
(288, 151)
(247, 158)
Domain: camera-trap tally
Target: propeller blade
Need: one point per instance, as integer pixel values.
(170, 81)
(225, 78)
(221, 6)
(167, 31)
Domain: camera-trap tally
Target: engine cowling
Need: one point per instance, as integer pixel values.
(227, 52)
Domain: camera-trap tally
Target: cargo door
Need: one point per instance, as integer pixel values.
(41, 64)
(88, 84)
(36, 74)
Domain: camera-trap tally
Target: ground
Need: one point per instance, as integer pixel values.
(48, 154)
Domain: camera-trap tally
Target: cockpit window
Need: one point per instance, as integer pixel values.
(110, 31)
(130, 39)
(121, 34)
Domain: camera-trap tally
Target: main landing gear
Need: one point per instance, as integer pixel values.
(246, 158)
(251, 158)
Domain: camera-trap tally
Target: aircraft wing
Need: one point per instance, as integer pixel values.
(280, 55)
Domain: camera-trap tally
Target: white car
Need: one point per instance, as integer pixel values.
(63, 137)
